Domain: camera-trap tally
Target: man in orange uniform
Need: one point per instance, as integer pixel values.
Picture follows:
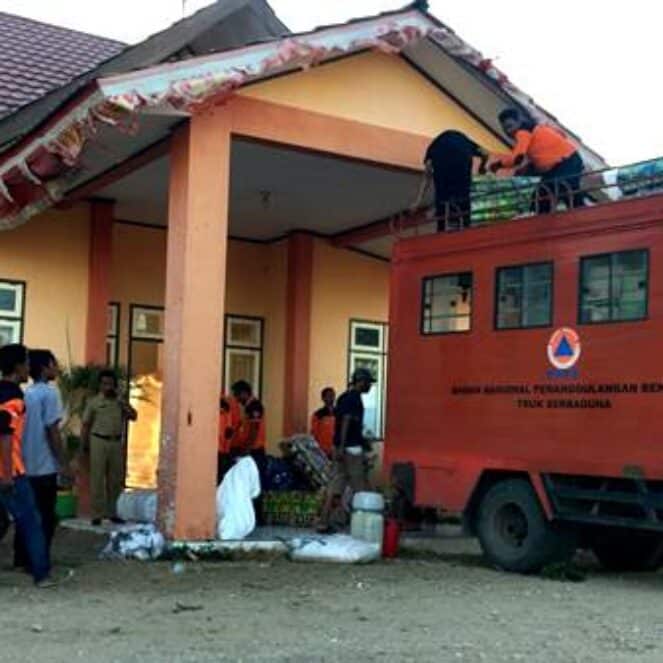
(250, 438)
(323, 421)
(16, 494)
(544, 151)
(226, 433)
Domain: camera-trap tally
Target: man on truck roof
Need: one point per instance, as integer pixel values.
(448, 163)
(544, 151)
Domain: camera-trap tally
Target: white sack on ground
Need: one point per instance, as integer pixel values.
(236, 518)
(143, 542)
(338, 548)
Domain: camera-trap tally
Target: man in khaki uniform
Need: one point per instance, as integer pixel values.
(102, 435)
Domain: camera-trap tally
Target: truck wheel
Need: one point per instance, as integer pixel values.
(629, 551)
(514, 532)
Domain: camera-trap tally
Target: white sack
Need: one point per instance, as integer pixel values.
(338, 548)
(143, 542)
(236, 518)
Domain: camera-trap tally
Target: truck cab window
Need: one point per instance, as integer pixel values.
(613, 287)
(447, 304)
(524, 296)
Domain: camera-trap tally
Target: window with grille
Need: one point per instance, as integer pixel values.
(614, 287)
(12, 311)
(524, 296)
(447, 304)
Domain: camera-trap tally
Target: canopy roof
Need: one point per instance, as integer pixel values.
(113, 112)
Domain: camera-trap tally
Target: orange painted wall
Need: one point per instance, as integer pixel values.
(256, 287)
(346, 286)
(377, 89)
(139, 273)
(51, 255)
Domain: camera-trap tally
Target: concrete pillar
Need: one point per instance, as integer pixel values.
(298, 333)
(99, 280)
(195, 295)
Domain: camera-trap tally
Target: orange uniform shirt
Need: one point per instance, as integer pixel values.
(323, 425)
(12, 419)
(230, 419)
(254, 413)
(224, 425)
(544, 146)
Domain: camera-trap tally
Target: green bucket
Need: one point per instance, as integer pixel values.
(66, 505)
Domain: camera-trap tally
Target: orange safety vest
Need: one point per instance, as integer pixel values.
(11, 402)
(323, 426)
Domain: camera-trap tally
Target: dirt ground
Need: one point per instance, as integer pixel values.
(446, 606)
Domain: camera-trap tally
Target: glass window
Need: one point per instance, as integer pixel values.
(243, 352)
(146, 363)
(613, 287)
(368, 349)
(112, 333)
(11, 312)
(447, 304)
(524, 296)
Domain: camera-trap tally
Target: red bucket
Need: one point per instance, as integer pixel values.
(391, 540)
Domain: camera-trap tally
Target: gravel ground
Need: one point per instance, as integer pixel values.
(435, 606)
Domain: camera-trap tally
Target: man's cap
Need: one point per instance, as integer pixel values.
(363, 375)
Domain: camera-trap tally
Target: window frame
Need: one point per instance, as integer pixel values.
(259, 350)
(381, 354)
(551, 308)
(150, 308)
(113, 336)
(424, 333)
(580, 282)
(150, 338)
(19, 317)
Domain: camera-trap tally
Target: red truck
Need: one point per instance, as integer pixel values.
(526, 382)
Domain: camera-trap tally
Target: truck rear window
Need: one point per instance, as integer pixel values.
(524, 296)
(447, 304)
(613, 287)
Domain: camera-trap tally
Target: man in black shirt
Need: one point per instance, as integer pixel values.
(350, 446)
(449, 161)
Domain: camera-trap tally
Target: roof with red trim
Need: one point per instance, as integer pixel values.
(133, 101)
(37, 57)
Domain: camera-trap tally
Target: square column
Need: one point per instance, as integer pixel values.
(298, 333)
(195, 296)
(99, 280)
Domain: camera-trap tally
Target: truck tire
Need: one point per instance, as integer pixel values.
(629, 551)
(514, 532)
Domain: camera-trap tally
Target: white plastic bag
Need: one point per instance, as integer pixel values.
(142, 542)
(139, 506)
(337, 548)
(236, 518)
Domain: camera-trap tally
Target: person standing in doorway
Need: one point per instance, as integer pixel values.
(350, 446)
(43, 451)
(104, 422)
(448, 163)
(323, 421)
(251, 437)
(544, 151)
(16, 494)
